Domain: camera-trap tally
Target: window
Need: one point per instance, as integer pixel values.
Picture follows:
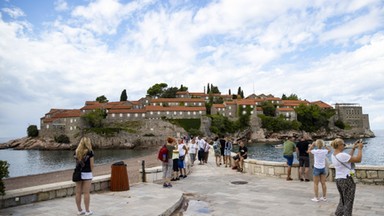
(167, 112)
(244, 112)
(229, 107)
(121, 115)
(143, 115)
(244, 106)
(128, 115)
(189, 113)
(158, 112)
(70, 128)
(194, 112)
(200, 112)
(174, 113)
(113, 115)
(71, 120)
(230, 114)
(136, 115)
(181, 113)
(47, 127)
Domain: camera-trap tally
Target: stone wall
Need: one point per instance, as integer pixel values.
(365, 174)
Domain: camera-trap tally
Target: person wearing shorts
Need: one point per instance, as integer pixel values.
(227, 152)
(319, 173)
(303, 156)
(289, 148)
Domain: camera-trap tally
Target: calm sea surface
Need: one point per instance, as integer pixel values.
(29, 162)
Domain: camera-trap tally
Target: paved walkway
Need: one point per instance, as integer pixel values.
(210, 190)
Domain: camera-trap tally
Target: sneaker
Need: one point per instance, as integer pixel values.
(307, 180)
(301, 179)
(184, 176)
(82, 212)
(323, 199)
(314, 199)
(89, 213)
(289, 179)
(169, 185)
(180, 176)
(173, 179)
(165, 185)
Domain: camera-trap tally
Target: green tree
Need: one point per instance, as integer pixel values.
(229, 92)
(62, 139)
(169, 92)
(102, 99)
(340, 124)
(290, 97)
(183, 88)
(208, 89)
(157, 90)
(32, 131)
(123, 96)
(4, 173)
(268, 108)
(94, 119)
(312, 117)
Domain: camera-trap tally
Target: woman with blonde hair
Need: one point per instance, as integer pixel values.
(319, 172)
(84, 158)
(345, 170)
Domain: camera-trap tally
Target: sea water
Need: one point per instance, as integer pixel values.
(373, 150)
(29, 162)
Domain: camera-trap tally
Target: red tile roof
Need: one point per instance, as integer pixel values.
(321, 104)
(174, 108)
(175, 100)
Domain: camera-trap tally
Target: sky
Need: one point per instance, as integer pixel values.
(61, 53)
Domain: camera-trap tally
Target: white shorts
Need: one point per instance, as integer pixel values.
(86, 176)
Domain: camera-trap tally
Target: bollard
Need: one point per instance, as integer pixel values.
(143, 177)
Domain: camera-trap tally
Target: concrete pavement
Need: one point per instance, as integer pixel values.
(212, 190)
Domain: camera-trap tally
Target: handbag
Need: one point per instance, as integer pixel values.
(76, 176)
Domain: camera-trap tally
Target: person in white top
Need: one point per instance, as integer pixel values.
(202, 145)
(319, 172)
(344, 166)
(192, 149)
(183, 151)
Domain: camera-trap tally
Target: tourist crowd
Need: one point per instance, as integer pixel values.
(174, 168)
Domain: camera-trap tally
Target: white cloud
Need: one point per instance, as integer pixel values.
(61, 5)
(277, 47)
(13, 12)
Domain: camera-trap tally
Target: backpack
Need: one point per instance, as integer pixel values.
(163, 154)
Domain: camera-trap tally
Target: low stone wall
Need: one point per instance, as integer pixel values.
(49, 191)
(365, 174)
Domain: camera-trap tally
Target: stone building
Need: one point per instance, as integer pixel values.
(352, 115)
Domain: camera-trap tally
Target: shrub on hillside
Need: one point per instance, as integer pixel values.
(3, 174)
(62, 139)
(32, 131)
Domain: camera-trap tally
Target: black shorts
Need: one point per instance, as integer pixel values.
(303, 161)
(175, 165)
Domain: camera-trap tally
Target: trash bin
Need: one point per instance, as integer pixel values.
(119, 177)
